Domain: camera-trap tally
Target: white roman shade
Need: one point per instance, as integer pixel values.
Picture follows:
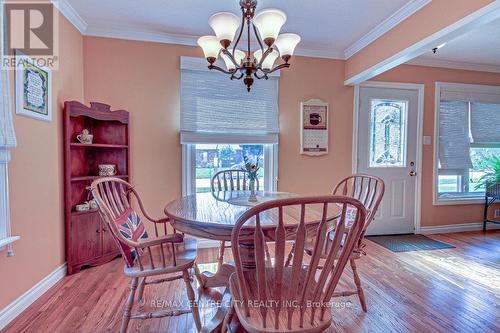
(215, 109)
(470, 92)
(7, 134)
(468, 113)
(7, 141)
(454, 142)
(485, 122)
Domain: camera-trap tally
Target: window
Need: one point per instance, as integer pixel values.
(211, 158)
(221, 122)
(388, 133)
(467, 136)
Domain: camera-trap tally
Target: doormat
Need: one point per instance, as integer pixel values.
(407, 243)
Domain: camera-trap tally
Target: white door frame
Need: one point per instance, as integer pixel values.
(420, 121)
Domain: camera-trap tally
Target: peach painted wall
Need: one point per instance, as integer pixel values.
(314, 78)
(438, 215)
(36, 180)
(144, 78)
(432, 18)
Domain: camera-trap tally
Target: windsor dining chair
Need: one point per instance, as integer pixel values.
(369, 190)
(230, 180)
(292, 298)
(145, 257)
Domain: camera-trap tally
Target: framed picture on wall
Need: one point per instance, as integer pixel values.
(314, 127)
(33, 89)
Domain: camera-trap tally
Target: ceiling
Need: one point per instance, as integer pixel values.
(478, 49)
(328, 27)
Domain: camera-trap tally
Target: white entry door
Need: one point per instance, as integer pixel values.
(387, 148)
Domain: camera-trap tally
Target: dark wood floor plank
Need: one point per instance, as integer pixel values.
(450, 290)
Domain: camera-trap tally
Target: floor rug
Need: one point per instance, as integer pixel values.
(407, 243)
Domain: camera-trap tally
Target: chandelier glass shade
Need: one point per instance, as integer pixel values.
(265, 26)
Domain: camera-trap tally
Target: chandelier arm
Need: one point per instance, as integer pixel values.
(258, 38)
(260, 77)
(277, 68)
(264, 56)
(241, 31)
(217, 68)
(231, 57)
(236, 77)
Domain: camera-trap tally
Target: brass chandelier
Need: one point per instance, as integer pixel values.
(266, 26)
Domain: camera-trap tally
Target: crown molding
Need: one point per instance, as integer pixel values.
(399, 16)
(137, 34)
(71, 14)
(478, 18)
(319, 53)
(128, 33)
(423, 61)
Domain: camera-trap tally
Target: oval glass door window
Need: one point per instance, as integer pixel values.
(388, 128)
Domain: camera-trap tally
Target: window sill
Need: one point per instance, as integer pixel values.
(459, 201)
(9, 240)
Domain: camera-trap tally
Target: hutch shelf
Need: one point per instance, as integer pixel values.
(88, 242)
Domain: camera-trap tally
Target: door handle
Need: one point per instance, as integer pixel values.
(412, 173)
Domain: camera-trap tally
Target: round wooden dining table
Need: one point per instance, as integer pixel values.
(213, 216)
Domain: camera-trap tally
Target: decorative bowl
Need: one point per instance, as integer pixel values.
(82, 207)
(107, 170)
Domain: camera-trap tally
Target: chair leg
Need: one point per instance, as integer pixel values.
(228, 317)
(128, 306)
(222, 249)
(290, 256)
(359, 288)
(140, 291)
(192, 301)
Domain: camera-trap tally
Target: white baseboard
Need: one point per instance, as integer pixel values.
(11, 311)
(457, 228)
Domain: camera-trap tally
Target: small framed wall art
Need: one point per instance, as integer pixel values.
(33, 89)
(314, 127)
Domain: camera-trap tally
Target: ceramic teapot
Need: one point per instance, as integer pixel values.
(85, 137)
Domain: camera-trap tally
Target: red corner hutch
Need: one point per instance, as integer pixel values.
(88, 242)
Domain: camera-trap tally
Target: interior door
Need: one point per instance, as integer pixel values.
(387, 148)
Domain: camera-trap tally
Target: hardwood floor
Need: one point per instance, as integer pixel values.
(452, 290)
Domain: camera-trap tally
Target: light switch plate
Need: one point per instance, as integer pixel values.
(427, 140)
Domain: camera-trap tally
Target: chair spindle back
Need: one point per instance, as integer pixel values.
(369, 190)
(297, 288)
(231, 180)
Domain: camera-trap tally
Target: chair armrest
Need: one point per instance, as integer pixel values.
(174, 238)
(143, 210)
(162, 220)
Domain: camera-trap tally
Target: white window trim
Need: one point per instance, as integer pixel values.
(473, 88)
(189, 172)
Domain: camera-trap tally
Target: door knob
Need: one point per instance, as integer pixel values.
(413, 173)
